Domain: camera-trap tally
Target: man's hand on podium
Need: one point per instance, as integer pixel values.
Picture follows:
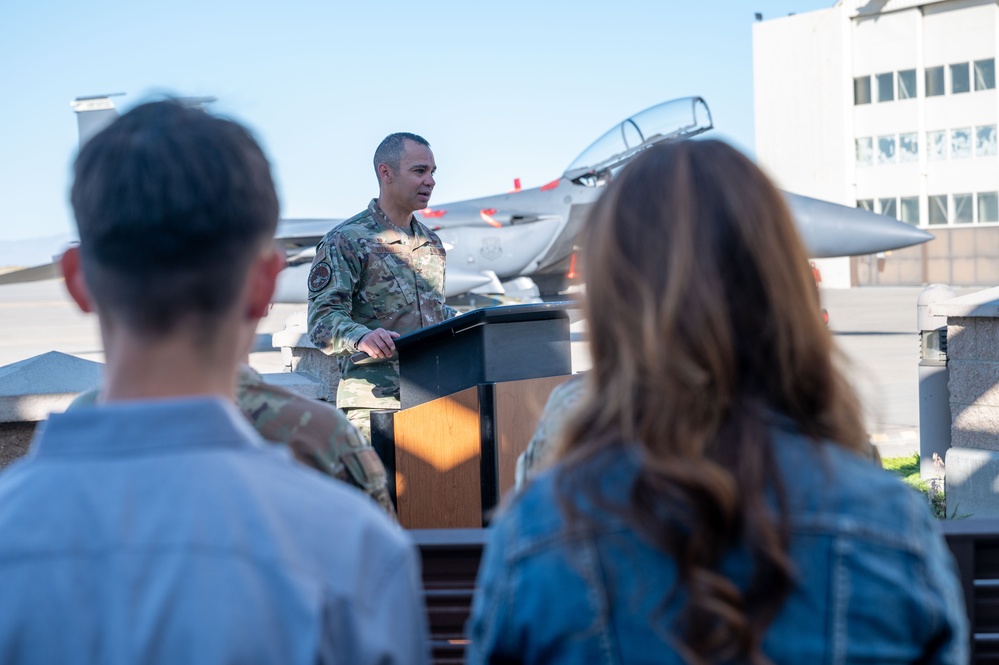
(378, 343)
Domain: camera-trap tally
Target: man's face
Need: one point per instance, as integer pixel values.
(411, 186)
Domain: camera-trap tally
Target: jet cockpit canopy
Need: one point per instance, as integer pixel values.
(669, 121)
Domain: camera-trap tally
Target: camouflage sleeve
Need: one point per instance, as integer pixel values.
(334, 277)
(318, 435)
(558, 408)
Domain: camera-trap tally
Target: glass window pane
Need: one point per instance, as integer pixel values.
(960, 143)
(985, 74)
(886, 87)
(937, 209)
(908, 147)
(985, 141)
(936, 145)
(959, 80)
(865, 151)
(988, 207)
(962, 209)
(887, 207)
(862, 90)
(907, 84)
(886, 149)
(908, 208)
(866, 204)
(934, 81)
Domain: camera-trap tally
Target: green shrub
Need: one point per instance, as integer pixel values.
(907, 469)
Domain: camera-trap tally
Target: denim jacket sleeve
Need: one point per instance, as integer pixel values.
(488, 624)
(947, 628)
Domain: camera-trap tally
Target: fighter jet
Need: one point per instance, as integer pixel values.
(494, 243)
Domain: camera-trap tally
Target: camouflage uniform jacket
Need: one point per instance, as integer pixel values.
(560, 405)
(370, 274)
(318, 435)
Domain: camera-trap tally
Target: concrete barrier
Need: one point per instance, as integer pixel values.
(32, 389)
(972, 463)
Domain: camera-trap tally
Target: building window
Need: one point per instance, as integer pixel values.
(908, 147)
(888, 208)
(985, 141)
(865, 151)
(937, 208)
(907, 84)
(886, 87)
(934, 81)
(959, 79)
(963, 209)
(936, 145)
(886, 149)
(988, 207)
(866, 204)
(908, 207)
(985, 74)
(862, 90)
(960, 143)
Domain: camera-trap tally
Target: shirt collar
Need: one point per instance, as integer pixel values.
(145, 426)
(416, 234)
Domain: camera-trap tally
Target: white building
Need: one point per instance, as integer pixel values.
(889, 105)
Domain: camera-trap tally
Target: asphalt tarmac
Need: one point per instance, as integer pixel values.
(874, 327)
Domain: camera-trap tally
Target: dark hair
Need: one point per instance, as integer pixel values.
(172, 204)
(389, 151)
(703, 323)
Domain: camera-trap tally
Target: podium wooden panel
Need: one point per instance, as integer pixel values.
(518, 409)
(454, 458)
(437, 463)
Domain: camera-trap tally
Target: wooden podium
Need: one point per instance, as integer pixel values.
(472, 391)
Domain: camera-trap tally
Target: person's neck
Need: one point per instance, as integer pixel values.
(171, 367)
(398, 215)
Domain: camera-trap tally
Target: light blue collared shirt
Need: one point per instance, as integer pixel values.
(169, 532)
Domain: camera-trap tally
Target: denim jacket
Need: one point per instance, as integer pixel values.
(874, 580)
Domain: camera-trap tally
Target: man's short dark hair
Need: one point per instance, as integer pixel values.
(389, 151)
(172, 205)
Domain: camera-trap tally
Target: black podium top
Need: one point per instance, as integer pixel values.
(486, 345)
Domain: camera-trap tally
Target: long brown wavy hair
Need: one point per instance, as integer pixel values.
(704, 322)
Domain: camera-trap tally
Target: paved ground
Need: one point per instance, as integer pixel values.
(874, 327)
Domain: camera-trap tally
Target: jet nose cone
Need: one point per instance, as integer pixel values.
(830, 229)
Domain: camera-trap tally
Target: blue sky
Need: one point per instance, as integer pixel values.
(501, 90)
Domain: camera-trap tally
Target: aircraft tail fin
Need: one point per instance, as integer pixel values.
(94, 114)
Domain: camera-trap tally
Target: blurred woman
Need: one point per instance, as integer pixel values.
(710, 502)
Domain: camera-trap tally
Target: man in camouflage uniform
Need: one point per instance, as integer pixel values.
(317, 434)
(376, 276)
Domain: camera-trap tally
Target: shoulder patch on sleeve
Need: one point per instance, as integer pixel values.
(319, 276)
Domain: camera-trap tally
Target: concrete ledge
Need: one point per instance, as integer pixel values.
(982, 303)
(32, 389)
(972, 482)
(300, 356)
(297, 382)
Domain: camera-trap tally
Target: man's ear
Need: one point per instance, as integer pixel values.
(262, 279)
(384, 173)
(72, 272)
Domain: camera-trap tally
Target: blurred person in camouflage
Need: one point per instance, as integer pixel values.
(317, 434)
(376, 276)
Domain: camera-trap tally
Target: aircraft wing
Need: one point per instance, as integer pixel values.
(299, 237)
(34, 274)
